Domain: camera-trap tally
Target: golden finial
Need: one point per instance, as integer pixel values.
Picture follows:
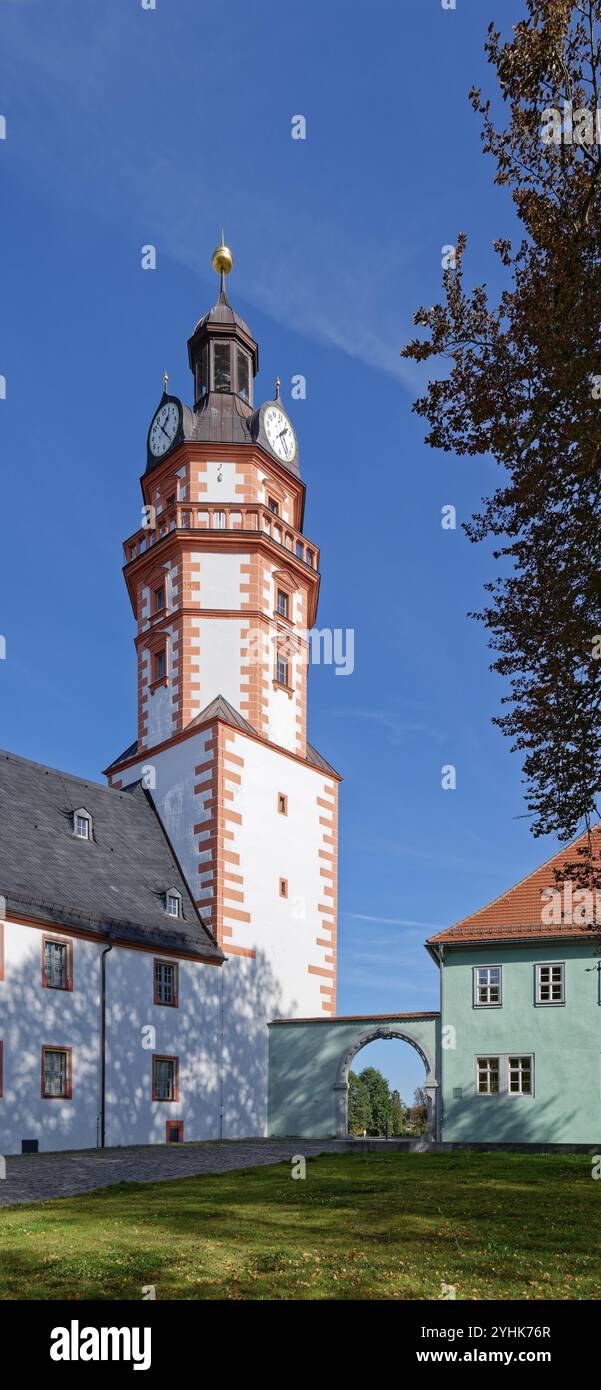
(222, 258)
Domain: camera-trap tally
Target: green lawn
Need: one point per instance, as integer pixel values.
(359, 1226)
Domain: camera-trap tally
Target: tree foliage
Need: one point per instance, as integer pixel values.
(524, 385)
(372, 1107)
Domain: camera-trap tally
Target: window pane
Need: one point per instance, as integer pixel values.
(55, 964)
(164, 1078)
(243, 375)
(282, 671)
(55, 1073)
(165, 983)
(203, 372)
(221, 359)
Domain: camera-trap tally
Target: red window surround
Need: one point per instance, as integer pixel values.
(46, 984)
(68, 1094)
(170, 1126)
(173, 1003)
(163, 1057)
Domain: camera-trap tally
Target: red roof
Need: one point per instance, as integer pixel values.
(518, 913)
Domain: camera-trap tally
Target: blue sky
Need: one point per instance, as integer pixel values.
(127, 127)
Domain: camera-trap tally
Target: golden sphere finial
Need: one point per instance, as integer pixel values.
(222, 258)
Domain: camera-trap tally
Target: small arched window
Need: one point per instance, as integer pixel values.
(173, 903)
(82, 824)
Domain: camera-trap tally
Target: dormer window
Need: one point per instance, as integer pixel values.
(173, 903)
(82, 825)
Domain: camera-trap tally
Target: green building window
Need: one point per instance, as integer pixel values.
(487, 986)
(550, 984)
(487, 1070)
(520, 1076)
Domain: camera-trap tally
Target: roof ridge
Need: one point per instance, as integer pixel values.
(18, 758)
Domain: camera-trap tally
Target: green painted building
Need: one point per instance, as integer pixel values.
(514, 1054)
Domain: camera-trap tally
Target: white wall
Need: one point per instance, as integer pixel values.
(282, 932)
(31, 1016)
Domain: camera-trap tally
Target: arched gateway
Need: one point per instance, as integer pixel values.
(309, 1063)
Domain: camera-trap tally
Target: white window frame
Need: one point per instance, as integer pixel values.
(549, 965)
(519, 1059)
(504, 1060)
(487, 1003)
(488, 1059)
(173, 894)
(85, 817)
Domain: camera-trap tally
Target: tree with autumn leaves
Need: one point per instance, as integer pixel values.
(524, 385)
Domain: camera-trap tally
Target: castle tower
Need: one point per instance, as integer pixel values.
(224, 586)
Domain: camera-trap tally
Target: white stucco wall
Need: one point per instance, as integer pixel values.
(32, 1017)
(219, 647)
(282, 931)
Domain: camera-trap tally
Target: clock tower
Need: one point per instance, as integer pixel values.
(224, 584)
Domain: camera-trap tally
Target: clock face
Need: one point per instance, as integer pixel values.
(280, 434)
(164, 429)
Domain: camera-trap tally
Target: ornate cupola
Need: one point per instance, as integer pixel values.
(223, 355)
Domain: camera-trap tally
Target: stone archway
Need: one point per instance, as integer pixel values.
(372, 1035)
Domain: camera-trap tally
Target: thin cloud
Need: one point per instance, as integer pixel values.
(395, 921)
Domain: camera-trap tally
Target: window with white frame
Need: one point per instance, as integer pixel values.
(487, 1075)
(173, 903)
(550, 984)
(82, 824)
(519, 1076)
(505, 1075)
(487, 985)
(281, 669)
(283, 603)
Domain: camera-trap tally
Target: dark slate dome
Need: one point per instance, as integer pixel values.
(222, 313)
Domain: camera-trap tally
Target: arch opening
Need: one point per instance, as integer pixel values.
(341, 1085)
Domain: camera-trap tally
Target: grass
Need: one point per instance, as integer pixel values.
(361, 1226)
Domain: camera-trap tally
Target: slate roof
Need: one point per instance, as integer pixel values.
(113, 885)
(220, 708)
(517, 914)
